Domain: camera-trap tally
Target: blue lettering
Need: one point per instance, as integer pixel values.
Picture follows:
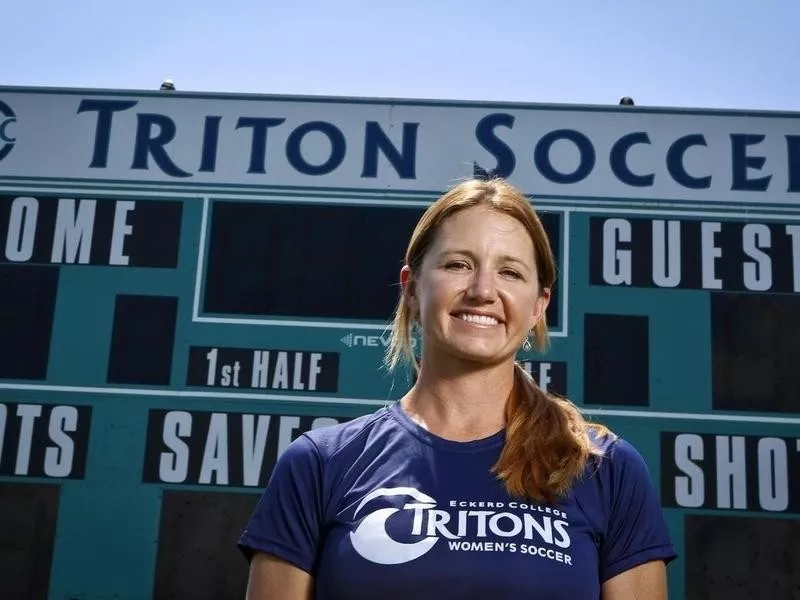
(258, 148)
(375, 140)
(741, 162)
(208, 156)
(619, 162)
(338, 147)
(148, 145)
(102, 136)
(675, 162)
(541, 156)
(484, 133)
(793, 150)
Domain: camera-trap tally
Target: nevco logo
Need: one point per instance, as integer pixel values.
(352, 340)
(467, 525)
(7, 118)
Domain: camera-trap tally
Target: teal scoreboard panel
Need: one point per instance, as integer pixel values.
(162, 341)
(159, 352)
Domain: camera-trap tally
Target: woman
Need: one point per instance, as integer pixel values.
(476, 484)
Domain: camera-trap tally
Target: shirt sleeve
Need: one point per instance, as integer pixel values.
(636, 531)
(287, 519)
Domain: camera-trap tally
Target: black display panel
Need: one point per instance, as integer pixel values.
(550, 376)
(27, 306)
(28, 519)
(44, 440)
(89, 231)
(693, 254)
(755, 352)
(315, 261)
(220, 448)
(142, 340)
(730, 472)
(255, 369)
(197, 555)
(741, 558)
(616, 360)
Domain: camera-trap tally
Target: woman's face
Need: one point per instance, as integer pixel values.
(477, 293)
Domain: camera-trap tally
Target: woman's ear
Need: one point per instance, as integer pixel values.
(409, 287)
(540, 306)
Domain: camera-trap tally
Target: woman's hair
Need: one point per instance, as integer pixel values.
(547, 439)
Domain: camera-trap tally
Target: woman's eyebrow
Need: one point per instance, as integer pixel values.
(447, 252)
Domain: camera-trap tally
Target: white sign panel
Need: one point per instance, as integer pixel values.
(392, 145)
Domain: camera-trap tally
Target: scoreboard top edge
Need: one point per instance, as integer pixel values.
(408, 101)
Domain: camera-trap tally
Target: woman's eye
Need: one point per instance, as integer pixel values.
(456, 265)
(512, 273)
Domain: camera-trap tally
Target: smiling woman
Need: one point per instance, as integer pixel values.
(476, 483)
(482, 251)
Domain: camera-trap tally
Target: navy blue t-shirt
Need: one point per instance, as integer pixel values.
(381, 508)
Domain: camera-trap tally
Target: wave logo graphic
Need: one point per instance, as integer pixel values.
(371, 540)
(7, 118)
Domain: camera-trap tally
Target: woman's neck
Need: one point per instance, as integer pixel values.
(460, 405)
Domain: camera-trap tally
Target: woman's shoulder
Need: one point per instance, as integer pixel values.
(621, 501)
(617, 468)
(343, 439)
(613, 449)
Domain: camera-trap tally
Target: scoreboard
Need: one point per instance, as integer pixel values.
(190, 281)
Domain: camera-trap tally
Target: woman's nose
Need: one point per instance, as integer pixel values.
(482, 286)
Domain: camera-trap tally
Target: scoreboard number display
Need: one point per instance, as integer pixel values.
(190, 281)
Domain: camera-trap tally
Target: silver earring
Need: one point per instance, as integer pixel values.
(526, 345)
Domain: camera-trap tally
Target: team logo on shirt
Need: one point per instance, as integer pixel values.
(372, 541)
(409, 529)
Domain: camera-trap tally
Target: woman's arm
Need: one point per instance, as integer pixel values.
(635, 544)
(647, 581)
(274, 579)
(282, 538)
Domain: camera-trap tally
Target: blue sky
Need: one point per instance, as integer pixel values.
(700, 53)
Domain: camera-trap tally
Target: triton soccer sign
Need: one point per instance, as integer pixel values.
(403, 145)
(155, 133)
(188, 282)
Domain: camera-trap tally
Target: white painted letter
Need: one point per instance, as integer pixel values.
(689, 489)
(773, 474)
(58, 458)
(73, 231)
(616, 263)
(757, 274)
(121, 231)
(710, 253)
(174, 466)
(666, 253)
(22, 229)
